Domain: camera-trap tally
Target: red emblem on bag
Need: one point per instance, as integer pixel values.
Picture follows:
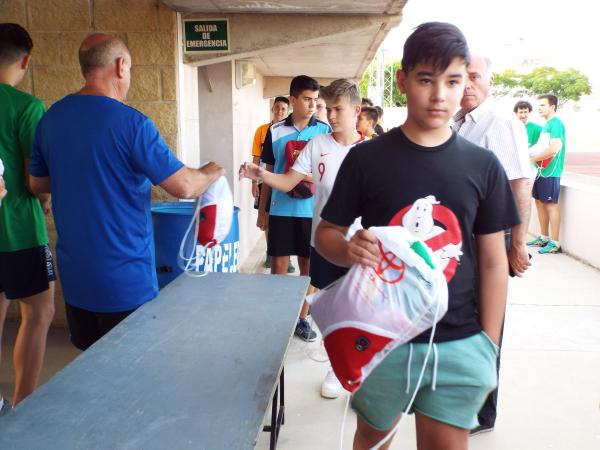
(304, 189)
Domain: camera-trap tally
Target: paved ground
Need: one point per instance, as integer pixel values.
(550, 380)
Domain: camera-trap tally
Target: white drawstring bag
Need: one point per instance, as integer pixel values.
(369, 312)
(211, 221)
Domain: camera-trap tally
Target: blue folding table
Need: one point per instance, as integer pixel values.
(195, 368)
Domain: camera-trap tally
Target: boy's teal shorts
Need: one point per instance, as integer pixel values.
(465, 375)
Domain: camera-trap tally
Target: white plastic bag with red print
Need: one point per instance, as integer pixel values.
(369, 312)
(211, 222)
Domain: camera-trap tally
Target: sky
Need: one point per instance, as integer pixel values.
(561, 34)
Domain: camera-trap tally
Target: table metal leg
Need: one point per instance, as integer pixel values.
(277, 413)
(282, 396)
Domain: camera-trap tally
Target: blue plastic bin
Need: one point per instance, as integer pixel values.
(170, 220)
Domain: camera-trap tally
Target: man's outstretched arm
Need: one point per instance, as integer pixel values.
(283, 182)
(191, 183)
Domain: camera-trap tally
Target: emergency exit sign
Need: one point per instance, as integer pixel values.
(206, 35)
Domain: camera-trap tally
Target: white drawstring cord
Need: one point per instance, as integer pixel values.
(195, 222)
(344, 421)
(429, 346)
(435, 367)
(410, 350)
(325, 359)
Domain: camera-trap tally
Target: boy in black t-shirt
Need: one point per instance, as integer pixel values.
(455, 197)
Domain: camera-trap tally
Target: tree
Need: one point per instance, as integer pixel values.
(569, 84)
(389, 74)
(508, 83)
(363, 86)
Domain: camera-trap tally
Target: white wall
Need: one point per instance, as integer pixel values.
(189, 119)
(215, 100)
(225, 121)
(250, 110)
(580, 217)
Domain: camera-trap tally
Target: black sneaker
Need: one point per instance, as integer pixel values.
(304, 331)
(480, 429)
(6, 407)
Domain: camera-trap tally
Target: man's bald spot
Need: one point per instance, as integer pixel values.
(100, 50)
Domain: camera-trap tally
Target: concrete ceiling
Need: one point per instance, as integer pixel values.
(340, 46)
(339, 57)
(345, 7)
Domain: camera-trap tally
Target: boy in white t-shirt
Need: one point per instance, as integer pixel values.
(322, 157)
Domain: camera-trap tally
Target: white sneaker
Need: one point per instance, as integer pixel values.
(331, 387)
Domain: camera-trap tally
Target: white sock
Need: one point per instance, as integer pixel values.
(1, 402)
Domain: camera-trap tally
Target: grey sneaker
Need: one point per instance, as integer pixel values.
(304, 331)
(6, 407)
(480, 429)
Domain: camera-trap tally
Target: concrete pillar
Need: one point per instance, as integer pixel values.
(215, 97)
(227, 119)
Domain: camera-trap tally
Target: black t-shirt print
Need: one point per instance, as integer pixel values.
(444, 195)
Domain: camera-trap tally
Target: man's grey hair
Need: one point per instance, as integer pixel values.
(101, 54)
(488, 63)
(341, 88)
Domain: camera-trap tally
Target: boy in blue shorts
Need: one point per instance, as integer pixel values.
(455, 197)
(550, 163)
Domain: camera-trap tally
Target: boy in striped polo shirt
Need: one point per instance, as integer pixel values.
(289, 219)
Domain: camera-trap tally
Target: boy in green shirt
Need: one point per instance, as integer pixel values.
(26, 265)
(549, 162)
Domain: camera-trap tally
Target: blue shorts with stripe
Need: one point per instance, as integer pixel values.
(546, 190)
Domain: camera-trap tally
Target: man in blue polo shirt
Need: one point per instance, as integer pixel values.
(290, 217)
(99, 158)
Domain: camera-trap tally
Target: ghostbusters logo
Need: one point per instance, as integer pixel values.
(438, 227)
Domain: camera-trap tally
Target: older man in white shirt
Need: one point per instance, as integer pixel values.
(481, 123)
